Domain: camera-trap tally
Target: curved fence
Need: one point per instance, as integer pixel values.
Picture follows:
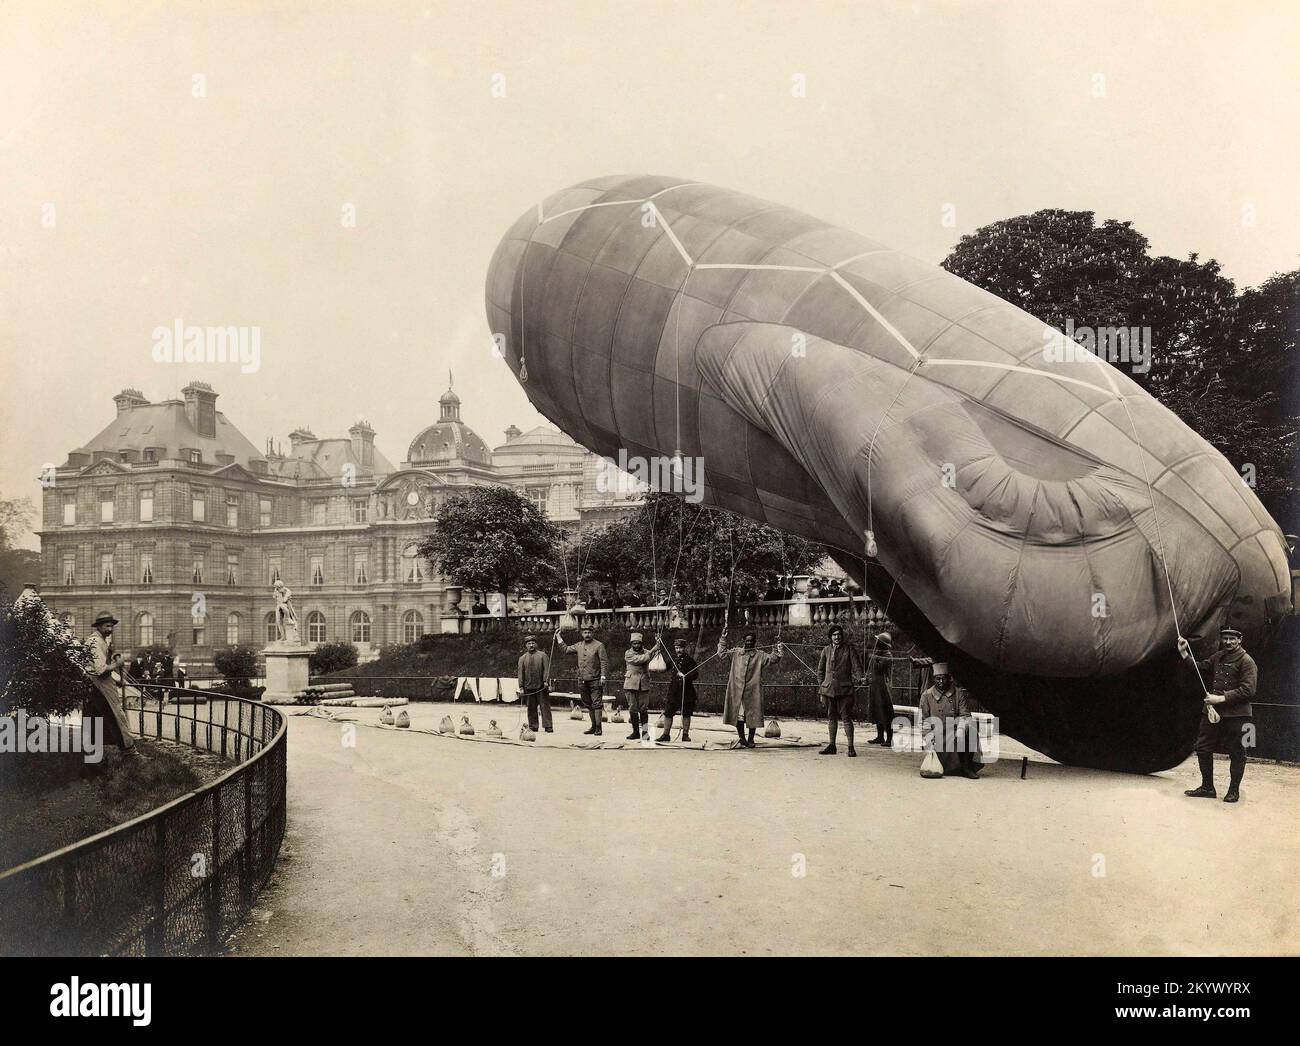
(178, 879)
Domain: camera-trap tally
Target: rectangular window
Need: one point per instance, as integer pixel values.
(200, 636)
(538, 497)
(106, 568)
(359, 571)
(146, 504)
(273, 569)
(264, 512)
(360, 511)
(70, 510)
(196, 457)
(69, 568)
(318, 570)
(318, 512)
(197, 575)
(232, 512)
(146, 568)
(232, 568)
(106, 508)
(149, 454)
(199, 503)
(414, 572)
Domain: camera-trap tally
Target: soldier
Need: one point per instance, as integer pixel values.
(681, 691)
(947, 726)
(593, 664)
(838, 669)
(743, 704)
(534, 680)
(636, 685)
(1227, 724)
(104, 699)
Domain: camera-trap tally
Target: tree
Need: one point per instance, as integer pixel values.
(18, 566)
(1224, 364)
(43, 666)
(684, 547)
(332, 657)
(493, 539)
(238, 664)
(608, 555)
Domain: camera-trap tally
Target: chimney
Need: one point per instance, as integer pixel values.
(363, 443)
(201, 408)
(128, 399)
(512, 432)
(300, 436)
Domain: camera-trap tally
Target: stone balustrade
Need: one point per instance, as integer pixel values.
(762, 614)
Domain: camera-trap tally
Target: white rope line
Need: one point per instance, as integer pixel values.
(1160, 543)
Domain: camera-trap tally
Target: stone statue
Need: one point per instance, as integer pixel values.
(286, 619)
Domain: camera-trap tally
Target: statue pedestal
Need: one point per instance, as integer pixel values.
(452, 624)
(287, 671)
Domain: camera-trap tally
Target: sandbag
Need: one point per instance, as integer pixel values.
(403, 720)
(526, 733)
(466, 727)
(386, 717)
(446, 726)
(773, 729)
(658, 663)
(931, 766)
(493, 730)
(575, 712)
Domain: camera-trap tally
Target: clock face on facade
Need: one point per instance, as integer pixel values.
(416, 499)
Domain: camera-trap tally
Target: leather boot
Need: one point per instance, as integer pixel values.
(667, 735)
(1206, 791)
(635, 720)
(594, 728)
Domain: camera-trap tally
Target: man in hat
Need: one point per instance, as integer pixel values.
(838, 670)
(105, 700)
(1231, 676)
(947, 726)
(743, 704)
(593, 663)
(534, 683)
(681, 690)
(636, 684)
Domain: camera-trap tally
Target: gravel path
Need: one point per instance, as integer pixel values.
(413, 844)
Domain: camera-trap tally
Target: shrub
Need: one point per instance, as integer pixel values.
(332, 657)
(43, 665)
(237, 663)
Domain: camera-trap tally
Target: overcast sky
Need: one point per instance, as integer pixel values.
(198, 158)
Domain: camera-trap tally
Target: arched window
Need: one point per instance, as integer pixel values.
(412, 626)
(271, 634)
(144, 628)
(315, 627)
(232, 628)
(360, 621)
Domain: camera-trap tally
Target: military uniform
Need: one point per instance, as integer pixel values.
(1233, 674)
(593, 664)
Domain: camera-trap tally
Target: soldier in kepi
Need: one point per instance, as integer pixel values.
(105, 699)
(1227, 725)
(593, 664)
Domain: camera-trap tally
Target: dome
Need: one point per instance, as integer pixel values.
(448, 441)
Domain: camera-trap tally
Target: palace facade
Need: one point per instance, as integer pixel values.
(173, 521)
